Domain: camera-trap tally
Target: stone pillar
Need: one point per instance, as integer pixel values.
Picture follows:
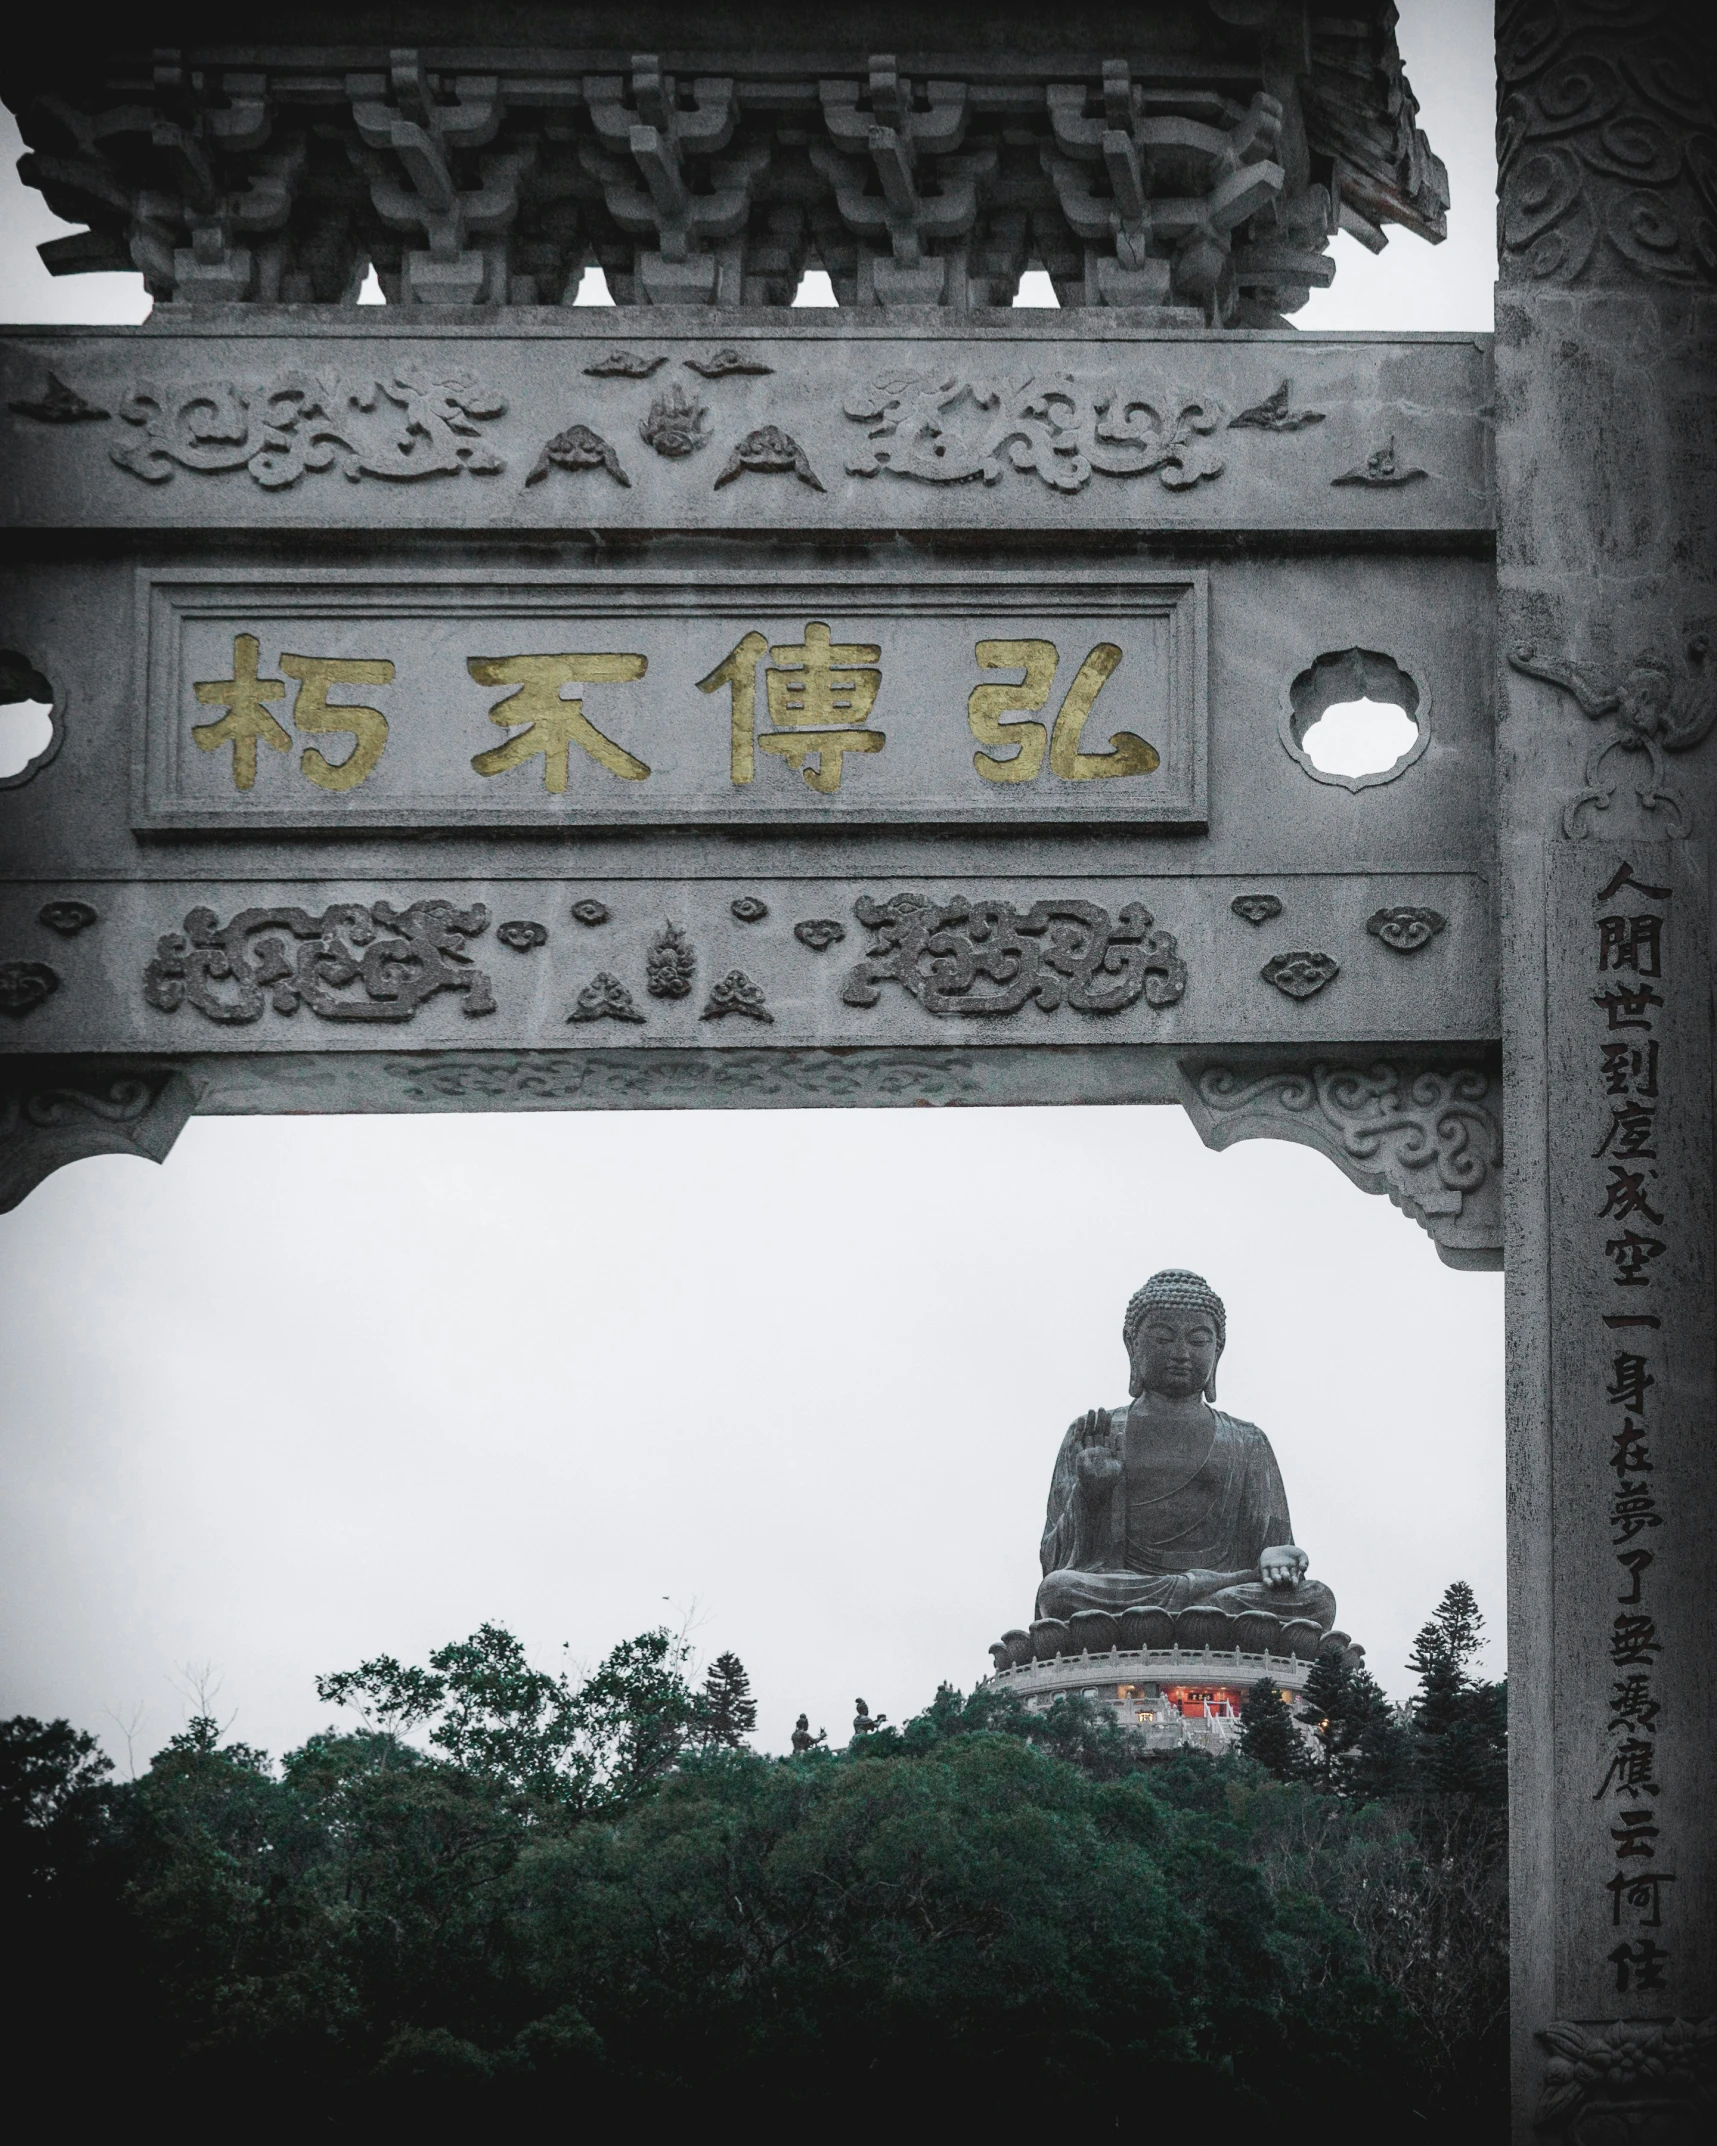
(1606, 355)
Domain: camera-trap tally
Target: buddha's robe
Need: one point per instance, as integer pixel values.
(1159, 1534)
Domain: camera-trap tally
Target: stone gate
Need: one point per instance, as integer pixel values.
(482, 704)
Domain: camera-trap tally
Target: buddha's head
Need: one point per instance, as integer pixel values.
(1174, 1332)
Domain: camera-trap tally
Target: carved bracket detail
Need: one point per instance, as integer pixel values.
(1430, 1137)
(55, 1111)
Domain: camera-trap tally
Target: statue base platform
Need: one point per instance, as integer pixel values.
(1171, 1697)
(1198, 1629)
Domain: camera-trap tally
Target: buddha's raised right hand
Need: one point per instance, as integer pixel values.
(1098, 1463)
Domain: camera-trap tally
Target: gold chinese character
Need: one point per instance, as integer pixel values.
(367, 727)
(555, 724)
(1128, 755)
(738, 672)
(244, 696)
(812, 683)
(988, 704)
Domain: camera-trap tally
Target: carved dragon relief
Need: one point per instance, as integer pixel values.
(354, 962)
(1429, 1136)
(1056, 953)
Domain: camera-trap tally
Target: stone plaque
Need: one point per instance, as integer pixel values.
(311, 701)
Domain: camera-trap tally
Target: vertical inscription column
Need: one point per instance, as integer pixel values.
(1606, 359)
(1631, 1233)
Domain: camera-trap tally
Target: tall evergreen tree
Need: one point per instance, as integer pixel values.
(728, 1709)
(1269, 1735)
(1361, 1749)
(1460, 1722)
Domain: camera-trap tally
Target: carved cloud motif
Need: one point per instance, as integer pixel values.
(947, 427)
(42, 1128)
(67, 918)
(25, 985)
(624, 365)
(1381, 469)
(721, 363)
(819, 933)
(1604, 150)
(736, 993)
(1274, 414)
(605, 998)
(300, 422)
(770, 452)
(1404, 930)
(1302, 974)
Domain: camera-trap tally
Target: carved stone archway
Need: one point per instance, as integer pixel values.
(483, 704)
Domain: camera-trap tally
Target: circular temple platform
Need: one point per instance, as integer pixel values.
(1170, 1696)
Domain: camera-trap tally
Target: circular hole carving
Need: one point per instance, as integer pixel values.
(29, 719)
(1356, 718)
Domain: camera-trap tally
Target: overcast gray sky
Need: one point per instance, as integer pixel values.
(323, 1388)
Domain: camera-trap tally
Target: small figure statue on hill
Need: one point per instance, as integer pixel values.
(803, 1740)
(865, 1723)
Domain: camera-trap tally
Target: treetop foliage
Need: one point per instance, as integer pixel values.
(503, 1886)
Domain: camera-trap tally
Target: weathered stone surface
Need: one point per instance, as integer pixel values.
(1607, 503)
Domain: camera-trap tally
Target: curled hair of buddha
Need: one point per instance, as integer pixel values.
(1176, 1290)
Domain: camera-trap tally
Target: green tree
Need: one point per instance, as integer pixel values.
(553, 1889)
(1460, 1722)
(728, 1713)
(54, 1801)
(1268, 1734)
(487, 1711)
(1361, 1749)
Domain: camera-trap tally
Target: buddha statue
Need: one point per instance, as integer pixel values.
(1167, 1502)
